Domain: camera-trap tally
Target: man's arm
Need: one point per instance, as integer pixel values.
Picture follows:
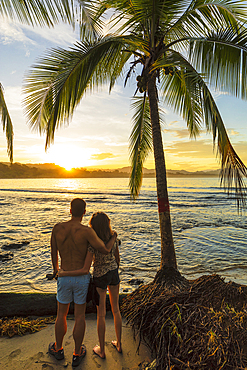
(111, 242)
(98, 244)
(54, 251)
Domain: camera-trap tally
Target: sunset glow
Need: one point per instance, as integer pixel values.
(68, 156)
(98, 133)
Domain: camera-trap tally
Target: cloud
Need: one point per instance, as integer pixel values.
(240, 148)
(180, 133)
(61, 34)
(101, 156)
(218, 93)
(191, 149)
(172, 123)
(201, 150)
(10, 32)
(13, 97)
(233, 132)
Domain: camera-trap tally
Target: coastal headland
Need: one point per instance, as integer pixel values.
(50, 170)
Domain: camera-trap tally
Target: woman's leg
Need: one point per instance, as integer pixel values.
(114, 300)
(101, 312)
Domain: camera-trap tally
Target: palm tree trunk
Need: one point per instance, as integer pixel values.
(168, 256)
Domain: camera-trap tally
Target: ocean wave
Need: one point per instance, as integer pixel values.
(66, 191)
(234, 267)
(214, 223)
(126, 268)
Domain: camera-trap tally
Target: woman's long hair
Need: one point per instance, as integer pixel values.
(101, 224)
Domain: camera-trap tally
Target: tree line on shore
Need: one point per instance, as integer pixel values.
(19, 170)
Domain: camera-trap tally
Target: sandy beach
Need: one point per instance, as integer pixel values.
(29, 352)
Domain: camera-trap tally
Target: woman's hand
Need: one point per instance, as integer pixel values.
(60, 273)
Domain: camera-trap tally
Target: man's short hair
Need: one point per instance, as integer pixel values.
(78, 207)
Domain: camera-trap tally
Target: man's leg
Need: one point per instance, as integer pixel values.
(61, 323)
(79, 327)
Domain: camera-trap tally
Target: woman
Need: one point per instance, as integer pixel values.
(105, 275)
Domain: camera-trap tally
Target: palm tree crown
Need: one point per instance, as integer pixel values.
(175, 50)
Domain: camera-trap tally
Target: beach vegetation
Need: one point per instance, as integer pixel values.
(23, 325)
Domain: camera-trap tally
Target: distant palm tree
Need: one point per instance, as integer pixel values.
(172, 48)
(41, 13)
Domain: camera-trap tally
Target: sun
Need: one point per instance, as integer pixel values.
(68, 167)
(69, 156)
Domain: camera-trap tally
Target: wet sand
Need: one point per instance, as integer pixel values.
(29, 352)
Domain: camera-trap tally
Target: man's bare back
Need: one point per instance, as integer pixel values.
(71, 240)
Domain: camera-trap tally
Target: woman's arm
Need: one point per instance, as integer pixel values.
(83, 271)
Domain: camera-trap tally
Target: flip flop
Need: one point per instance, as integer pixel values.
(115, 346)
(103, 358)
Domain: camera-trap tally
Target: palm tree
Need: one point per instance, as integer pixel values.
(175, 50)
(41, 13)
(7, 124)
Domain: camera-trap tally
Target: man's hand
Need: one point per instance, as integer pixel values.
(111, 242)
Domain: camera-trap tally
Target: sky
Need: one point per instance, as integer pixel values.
(98, 133)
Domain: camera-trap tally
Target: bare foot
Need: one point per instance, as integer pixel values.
(98, 352)
(117, 346)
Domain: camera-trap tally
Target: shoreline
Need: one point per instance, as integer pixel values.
(38, 304)
(45, 304)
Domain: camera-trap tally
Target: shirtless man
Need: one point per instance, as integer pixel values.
(70, 239)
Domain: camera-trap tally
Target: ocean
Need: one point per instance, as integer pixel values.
(209, 234)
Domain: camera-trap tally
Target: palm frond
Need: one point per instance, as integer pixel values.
(181, 91)
(219, 12)
(233, 170)
(7, 124)
(187, 84)
(56, 84)
(43, 12)
(204, 16)
(140, 142)
(91, 25)
(222, 56)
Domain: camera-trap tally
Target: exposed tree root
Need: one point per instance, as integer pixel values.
(201, 326)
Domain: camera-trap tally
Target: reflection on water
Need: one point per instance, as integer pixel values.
(209, 235)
